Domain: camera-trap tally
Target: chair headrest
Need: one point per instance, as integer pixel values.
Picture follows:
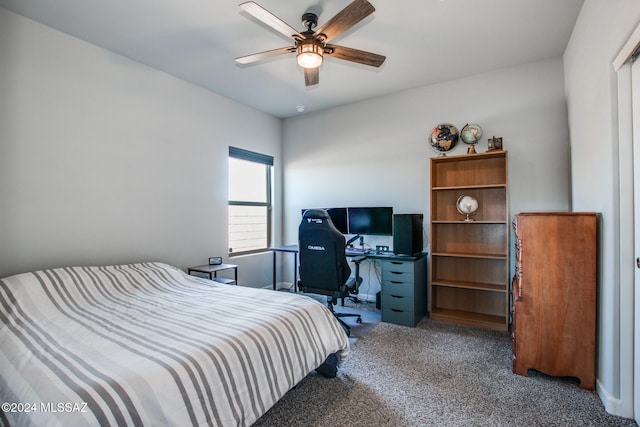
(316, 214)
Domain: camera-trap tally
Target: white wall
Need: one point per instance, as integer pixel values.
(104, 160)
(375, 153)
(591, 84)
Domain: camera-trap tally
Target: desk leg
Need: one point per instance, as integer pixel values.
(274, 270)
(235, 274)
(295, 272)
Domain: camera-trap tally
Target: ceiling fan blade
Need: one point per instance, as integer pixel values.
(262, 14)
(355, 55)
(264, 55)
(311, 76)
(346, 18)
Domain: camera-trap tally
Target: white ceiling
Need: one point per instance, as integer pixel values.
(425, 42)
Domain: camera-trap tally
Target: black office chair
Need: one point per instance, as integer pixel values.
(323, 263)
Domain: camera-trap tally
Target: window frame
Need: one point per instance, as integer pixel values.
(267, 161)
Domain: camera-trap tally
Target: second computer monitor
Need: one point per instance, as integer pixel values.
(371, 221)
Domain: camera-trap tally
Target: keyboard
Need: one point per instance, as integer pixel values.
(356, 251)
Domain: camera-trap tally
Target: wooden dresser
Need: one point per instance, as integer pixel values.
(554, 295)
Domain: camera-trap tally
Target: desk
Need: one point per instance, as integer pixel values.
(403, 287)
(212, 271)
(293, 249)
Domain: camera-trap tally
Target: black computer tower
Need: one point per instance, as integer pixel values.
(407, 234)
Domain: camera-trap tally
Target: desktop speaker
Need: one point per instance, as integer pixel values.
(407, 234)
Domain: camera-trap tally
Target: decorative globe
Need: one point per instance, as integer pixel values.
(444, 137)
(471, 134)
(467, 205)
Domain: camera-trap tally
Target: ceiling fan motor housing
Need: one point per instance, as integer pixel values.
(310, 20)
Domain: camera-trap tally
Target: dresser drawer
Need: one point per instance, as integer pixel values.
(397, 302)
(398, 266)
(399, 317)
(397, 288)
(397, 276)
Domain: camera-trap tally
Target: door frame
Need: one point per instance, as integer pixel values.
(628, 77)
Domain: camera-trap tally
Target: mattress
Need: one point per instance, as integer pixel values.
(147, 344)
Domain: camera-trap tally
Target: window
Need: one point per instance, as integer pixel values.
(249, 201)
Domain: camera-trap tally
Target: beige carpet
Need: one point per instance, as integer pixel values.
(436, 375)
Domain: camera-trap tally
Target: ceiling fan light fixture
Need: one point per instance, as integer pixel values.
(310, 46)
(309, 53)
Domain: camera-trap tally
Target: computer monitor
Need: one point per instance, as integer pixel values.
(371, 221)
(338, 217)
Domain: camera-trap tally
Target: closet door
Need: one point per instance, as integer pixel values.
(635, 95)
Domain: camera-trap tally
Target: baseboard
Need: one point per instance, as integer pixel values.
(281, 286)
(613, 405)
(366, 297)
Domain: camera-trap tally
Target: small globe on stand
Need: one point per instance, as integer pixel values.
(471, 134)
(467, 205)
(444, 138)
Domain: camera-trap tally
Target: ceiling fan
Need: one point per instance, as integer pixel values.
(311, 46)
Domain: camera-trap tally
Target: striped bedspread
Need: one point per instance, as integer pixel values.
(146, 344)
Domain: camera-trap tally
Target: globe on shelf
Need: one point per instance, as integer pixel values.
(471, 134)
(467, 205)
(444, 138)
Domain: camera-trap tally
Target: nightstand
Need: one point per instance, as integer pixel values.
(212, 271)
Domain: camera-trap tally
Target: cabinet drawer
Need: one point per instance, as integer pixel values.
(397, 302)
(397, 288)
(398, 266)
(397, 276)
(399, 317)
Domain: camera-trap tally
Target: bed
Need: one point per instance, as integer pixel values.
(147, 344)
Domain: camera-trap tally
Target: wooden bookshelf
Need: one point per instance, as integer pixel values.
(470, 259)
